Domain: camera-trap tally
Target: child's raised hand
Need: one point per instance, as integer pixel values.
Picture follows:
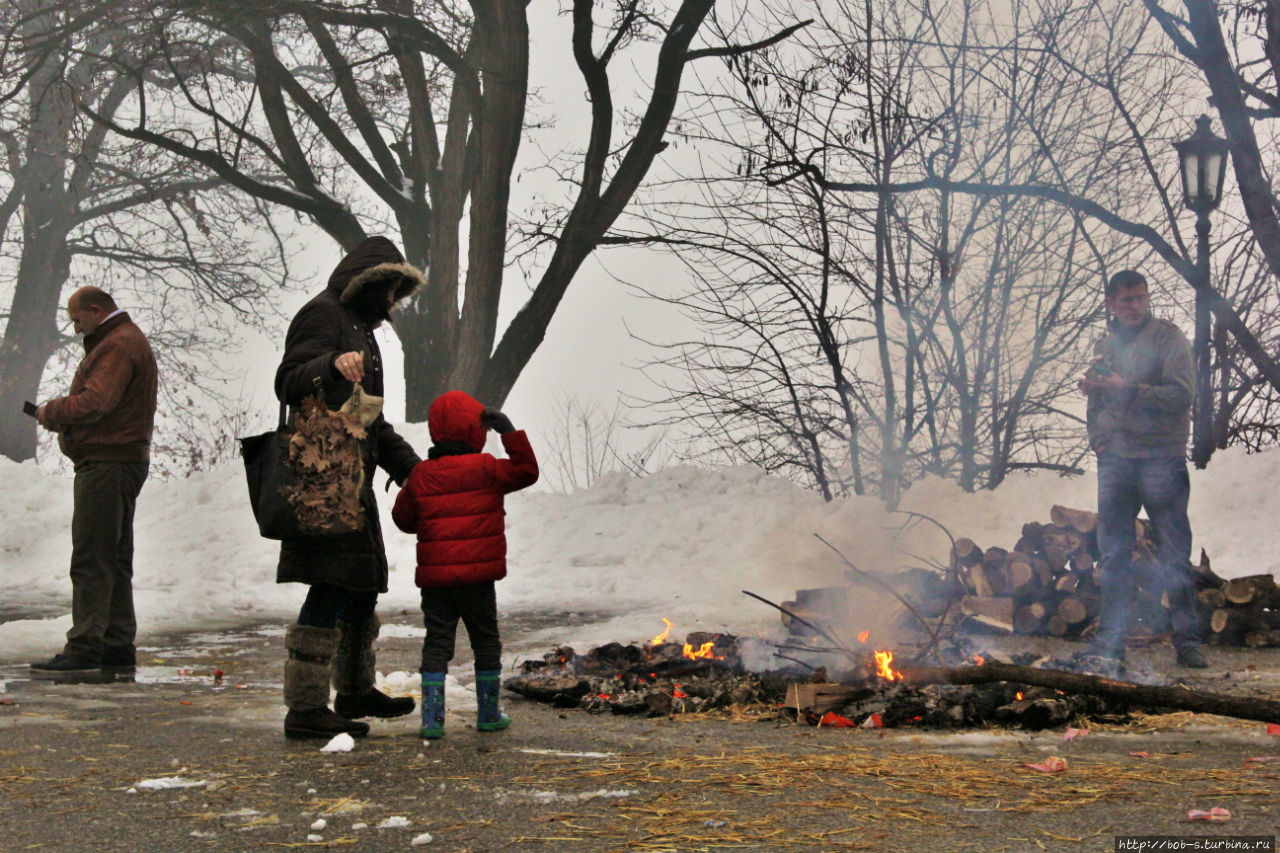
(496, 421)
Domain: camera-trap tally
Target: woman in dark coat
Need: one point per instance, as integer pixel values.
(330, 346)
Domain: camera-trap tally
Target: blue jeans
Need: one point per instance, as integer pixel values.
(1161, 486)
(325, 605)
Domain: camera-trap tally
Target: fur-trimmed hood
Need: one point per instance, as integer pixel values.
(374, 262)
(406, 278)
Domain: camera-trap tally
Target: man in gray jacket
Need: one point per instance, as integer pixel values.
(1140, 391)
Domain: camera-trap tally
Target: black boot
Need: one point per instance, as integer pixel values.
(306, 686)
(372, 703)
(353, 675)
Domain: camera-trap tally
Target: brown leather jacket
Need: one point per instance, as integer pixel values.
(110, 411)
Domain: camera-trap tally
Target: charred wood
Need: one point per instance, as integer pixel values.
(1176, 698)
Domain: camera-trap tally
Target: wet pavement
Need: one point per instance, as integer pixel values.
(182, 760)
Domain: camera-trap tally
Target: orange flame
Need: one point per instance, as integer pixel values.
(979, 659)
(862, 638)
(883, 659)
(706, 650)
(1018, 696)
(662, 638)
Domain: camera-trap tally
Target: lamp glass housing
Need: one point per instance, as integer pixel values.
(1203, 165)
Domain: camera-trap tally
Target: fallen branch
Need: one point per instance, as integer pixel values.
(1180, 698)
(818, 629)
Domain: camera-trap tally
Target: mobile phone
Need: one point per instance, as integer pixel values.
(29, 408)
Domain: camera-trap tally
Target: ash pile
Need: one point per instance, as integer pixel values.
(704, 673)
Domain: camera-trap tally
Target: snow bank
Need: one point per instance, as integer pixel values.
(605, 563)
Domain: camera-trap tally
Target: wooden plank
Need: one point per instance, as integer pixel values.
(820, 697)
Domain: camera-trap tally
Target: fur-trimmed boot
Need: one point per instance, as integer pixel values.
(432, 705)
(353, 675)
(489, 717)
(306, 685)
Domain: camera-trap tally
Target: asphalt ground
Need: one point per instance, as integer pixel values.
(74, 758)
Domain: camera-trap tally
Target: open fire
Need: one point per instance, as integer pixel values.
(703, 672)
(706, 671)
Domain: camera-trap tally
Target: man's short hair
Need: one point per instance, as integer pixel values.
(95, 297)
(1124, 279)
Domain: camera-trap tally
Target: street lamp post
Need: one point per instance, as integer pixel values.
(1203, 163)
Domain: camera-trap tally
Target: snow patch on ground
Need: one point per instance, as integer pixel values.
(166, 783)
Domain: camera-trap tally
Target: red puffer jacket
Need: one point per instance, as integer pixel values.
(454, 503)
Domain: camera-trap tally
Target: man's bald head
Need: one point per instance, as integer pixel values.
(88, 307)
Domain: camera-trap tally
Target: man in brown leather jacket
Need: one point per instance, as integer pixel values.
(104, 427)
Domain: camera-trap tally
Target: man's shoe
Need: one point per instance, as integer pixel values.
(1192, 658)
(61, 664)
(320, 723)
(119, 660)
(372, 703)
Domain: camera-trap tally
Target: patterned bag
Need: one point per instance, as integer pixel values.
(307, 480)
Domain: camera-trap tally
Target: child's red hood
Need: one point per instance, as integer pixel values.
(455, 416)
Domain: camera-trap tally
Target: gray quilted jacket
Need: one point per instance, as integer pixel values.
(1151, 415)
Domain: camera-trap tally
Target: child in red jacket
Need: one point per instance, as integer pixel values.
(453, 501)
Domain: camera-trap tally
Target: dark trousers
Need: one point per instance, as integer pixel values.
(1162, 486)
(477, 606)
(325, 605)
(105, 494)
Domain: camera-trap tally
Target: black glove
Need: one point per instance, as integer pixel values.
(496, 421)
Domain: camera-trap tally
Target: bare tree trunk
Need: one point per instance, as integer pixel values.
(31, 333)
(1246, 159)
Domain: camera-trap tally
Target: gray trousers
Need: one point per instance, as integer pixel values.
(102, 557)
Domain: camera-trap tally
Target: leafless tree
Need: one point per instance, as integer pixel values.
(1145, 67)
(82, 206)
(407, 117)
(862, 342)
(1235, 49)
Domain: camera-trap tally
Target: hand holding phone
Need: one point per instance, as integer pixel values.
(29, 408)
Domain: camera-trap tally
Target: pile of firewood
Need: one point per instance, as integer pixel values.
(1049, 584)
(1243, 611)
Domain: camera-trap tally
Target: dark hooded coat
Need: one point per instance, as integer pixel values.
(340, 320)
